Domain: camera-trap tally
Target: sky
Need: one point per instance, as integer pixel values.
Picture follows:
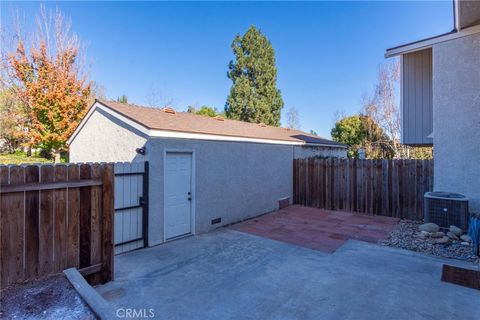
(327, 53)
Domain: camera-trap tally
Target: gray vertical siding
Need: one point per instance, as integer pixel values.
(417, 110)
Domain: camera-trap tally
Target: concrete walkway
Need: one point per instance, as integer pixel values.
(318, 229)
(232, 275)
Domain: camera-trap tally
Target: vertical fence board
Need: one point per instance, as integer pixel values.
(4, 175)
(95, 223)
(401, 188)
(371, 186)
(46, 222)
(60, 220)
(17, 220)
(13, 231)
(96, 218)
(32, 235)
(378, 186)
(73, 224)
(108, 206)
(85, 218)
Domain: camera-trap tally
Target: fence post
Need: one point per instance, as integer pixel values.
(146, 179)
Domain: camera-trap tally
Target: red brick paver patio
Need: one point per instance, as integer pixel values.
(318, 229)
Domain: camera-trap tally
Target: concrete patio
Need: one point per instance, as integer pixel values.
(227, 274)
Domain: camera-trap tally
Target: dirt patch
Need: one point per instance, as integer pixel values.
(52, 298)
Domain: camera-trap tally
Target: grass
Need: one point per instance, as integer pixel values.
(20, 158)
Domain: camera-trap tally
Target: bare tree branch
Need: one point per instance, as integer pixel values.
(156, 97)
(293, 118)
(382, 107)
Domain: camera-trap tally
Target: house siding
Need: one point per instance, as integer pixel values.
(469, 13)
(417, 111)
(456, 117)
(103, 138)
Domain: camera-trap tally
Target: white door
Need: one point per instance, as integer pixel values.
(178, 194)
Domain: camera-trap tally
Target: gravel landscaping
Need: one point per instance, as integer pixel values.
(406, 235)
(52, 298)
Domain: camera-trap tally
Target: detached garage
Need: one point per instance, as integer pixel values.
(203, 172)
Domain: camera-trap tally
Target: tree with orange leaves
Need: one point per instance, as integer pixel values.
(49, 82)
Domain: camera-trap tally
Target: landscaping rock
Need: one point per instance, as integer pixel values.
(423, 235)
(405, 236)
(466, 238)
(456, 230)
(438, 234)
(429, 227)
(465, 243)
(443, 240)
(452, 235)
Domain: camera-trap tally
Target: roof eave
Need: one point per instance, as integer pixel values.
(429, 42)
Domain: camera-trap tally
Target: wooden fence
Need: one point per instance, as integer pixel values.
(392, 188)
(54, 217)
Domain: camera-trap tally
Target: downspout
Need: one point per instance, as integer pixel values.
(456, 27)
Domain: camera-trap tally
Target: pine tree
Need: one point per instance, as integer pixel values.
(254, 96)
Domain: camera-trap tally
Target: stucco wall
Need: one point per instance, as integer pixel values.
(456, 117)
(234, 181)
(308, 152)
(105, 139)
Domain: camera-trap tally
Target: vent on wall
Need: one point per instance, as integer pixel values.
(283, 203)
(216, 220)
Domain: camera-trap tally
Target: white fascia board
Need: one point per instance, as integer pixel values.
(428, 43)
(215, 137)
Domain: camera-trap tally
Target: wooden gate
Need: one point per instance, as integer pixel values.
(131, 206)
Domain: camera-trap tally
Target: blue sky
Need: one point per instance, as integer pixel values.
(327, 53)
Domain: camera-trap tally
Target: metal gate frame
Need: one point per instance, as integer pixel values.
(142, 203)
